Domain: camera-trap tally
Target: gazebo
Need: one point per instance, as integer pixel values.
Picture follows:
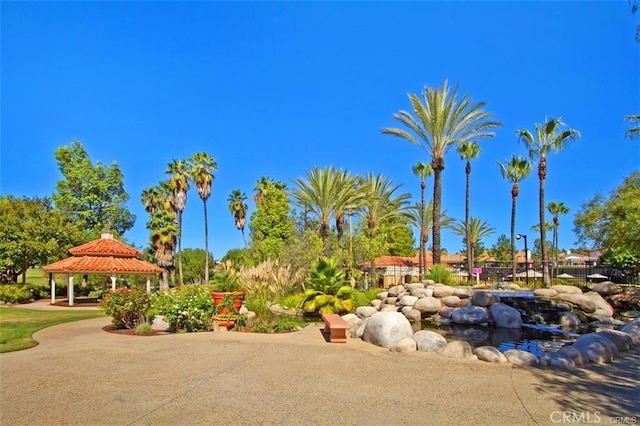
(104, 256)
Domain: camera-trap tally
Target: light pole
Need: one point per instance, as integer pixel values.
(526, 256)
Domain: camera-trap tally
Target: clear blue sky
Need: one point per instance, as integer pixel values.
(274, 88)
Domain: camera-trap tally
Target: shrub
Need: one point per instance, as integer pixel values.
(440, 274)
(293, 301)
(188, 307)
(127, 306)
(329, 292)
(14, 293)
(143, 328)
(364, 298)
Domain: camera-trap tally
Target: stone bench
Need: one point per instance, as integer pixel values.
(335, 328)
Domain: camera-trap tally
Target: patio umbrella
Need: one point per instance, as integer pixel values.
(597, 276)
(532, 274)
(565, 275)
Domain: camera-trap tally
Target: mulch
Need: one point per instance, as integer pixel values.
(131, 331)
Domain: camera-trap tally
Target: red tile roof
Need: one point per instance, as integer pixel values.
(105, 255)
(103, 264)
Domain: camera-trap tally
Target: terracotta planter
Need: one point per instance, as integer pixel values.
(218, 296)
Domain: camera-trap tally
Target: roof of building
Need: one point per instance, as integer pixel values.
(106, 245)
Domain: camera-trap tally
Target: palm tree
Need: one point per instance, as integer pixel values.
(380, 204)
(417, 215)
(202, 167)
(549, 137)
(514, 171)
(164, 232)
(347, 200)
(442, 122)
(634, 131)
(556, 208)
(261, 188)
(238, 208)
(179, 183)
(151, 199)
(473, 233)
(468, 150)
(423, 170)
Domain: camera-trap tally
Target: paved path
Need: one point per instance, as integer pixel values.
(81, 375)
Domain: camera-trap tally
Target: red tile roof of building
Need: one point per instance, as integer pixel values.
(103, 264)
(106, 245)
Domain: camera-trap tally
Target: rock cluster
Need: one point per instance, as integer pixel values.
(387, 323)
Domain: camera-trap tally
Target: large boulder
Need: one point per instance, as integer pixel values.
(569, 320)
(633, 330)
(451, 301)
(446, 312)
(382, 295)
(351, 319)
(607, 288)
(520, 357)
(365, 311)
(415, 286)
(597, 349)
(428, 305)
(442, 291)
(458, 349)
(462, 292)
(408, 300)
(376, 303)
(603, 308)
(580, 301)
(482, 298)
(545, 292)
(574, 353)
(357, 331)
(557, 360)
(621, 339)
(422, 292)
(405, 345)
(470, 315)
(413, 314)
(387, 329)
(505, 316)
(567, 289)
(428, 282)
(489, 354)
(396, 290)
(429, 341)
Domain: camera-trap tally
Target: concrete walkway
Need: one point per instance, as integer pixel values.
(80, 374)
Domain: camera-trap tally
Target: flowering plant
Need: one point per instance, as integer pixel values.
(126, 306)
(187, 307)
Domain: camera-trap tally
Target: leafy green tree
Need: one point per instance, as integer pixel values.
(270, 226)
(514, 171)
(423, 170)
(549, 137)
(623, 260)
(399, 237)
(303, 249)
(501, 249)
(194, 264)
(238, 258)
(468, 150)
(179, 176)
(473, 234)
(91, 195)
(238, 208)
(32, 233)
(556, 208)
(440, 122)
(612, 222)
(202, 167)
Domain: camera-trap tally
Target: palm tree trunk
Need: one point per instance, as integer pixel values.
(514, 260)
(437, 206)
(164, 282)
(466, 223)
(180, 247)
(543, 241)
(206, 246)
(422, 260)
(243, 237)
(425, 236)
(350, 240)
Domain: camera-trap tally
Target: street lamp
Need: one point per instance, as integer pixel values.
(526, 256)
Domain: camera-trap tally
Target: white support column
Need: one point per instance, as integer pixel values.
(52, 281)
(70, 289)
(113, 283)
(148, 285)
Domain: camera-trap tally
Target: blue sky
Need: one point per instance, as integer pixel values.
(274, 88)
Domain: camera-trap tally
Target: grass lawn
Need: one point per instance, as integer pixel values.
(17, 325)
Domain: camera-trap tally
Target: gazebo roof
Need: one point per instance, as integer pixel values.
(104, 256)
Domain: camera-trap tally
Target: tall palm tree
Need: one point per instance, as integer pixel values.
(151, 199)
(423, 170)
(179, 183)
(261, 188)
(556, 208)
(468, 150)
(473, 233)
(348, 199)
(634, 131)
(164, 232)
(380, 204)
(417, 215)
(202, 167)
(548, 138)
(514, 171)
(238, 208)
(442, 120)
